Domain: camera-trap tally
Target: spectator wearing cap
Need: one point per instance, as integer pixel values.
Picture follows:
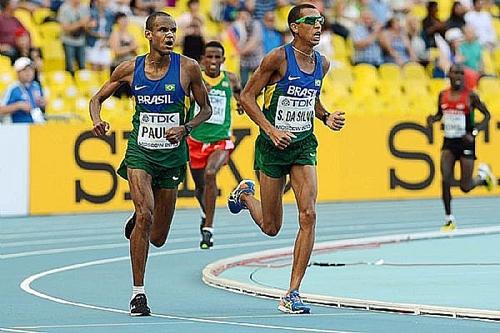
(24, 99)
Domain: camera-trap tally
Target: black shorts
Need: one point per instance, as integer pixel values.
(460, 148)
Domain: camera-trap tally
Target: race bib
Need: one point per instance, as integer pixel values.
(219, 104)
(454, 125)
(294, 114)
(152, 128)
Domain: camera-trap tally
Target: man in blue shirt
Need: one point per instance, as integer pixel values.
(271, 38)
(23, 99)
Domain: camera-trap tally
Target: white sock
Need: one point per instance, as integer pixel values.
(448, 218)
(202, 214)
(136, 290)
(209, 229)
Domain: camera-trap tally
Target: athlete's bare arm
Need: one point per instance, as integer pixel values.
(236, 88)
(476, 103)
(271, 70)
(192, 79)
(336, 120)
(437, 117)
(122, 74)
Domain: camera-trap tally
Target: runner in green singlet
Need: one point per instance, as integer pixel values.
(210, 143)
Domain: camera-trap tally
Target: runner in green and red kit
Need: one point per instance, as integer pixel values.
(210, 143)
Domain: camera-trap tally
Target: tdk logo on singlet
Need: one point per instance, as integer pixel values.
(154, 99)
(301, 92)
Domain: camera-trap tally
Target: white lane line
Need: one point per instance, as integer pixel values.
(2, 329)
(201, 317)
(126, 244)
(26, 286)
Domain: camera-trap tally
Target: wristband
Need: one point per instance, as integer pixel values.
(187, 129)
(474, 132)
(324, 117)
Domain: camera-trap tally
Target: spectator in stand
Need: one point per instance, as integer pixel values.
(121, 6)
(123, 48)
(98, 52)
(416, 41)
(75, 19)
(230, 10)
(365, 38)
(10, 26)
(451, 55)
(432, 25)
(482, 23)
(147, 7)
(25, 49)
(193, 41)
(471, 50)
(325, 46)
(270, 36)
(395, 43)
(23, 100)
(186, 19)
(337, 25)
(250, 46)
(380, 10)
(456, 19)
(262, 7)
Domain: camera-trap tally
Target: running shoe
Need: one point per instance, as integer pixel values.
(292, 303)
(139, 306)
(202, 223)
(207, 240)
(233, 203)
(487, 175)
(449, 226)
(129, 226)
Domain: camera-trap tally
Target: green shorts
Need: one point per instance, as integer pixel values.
(168, 178)
(277, 163)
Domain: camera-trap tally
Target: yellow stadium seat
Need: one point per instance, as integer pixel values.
(5, 63)
(342, 74)
(281, 17)
(419, 11)
(390, 72)
(414, 71)
(362, 90)
(488, 85)
(57, 106)
(496, 24)
(59, 80)
(339, 48)
(366, 74)
(444, 7)
(50, 31)
(7, 77)
(53, 56)
(489, 67)
(87, 82)
(436, 85)
(137, 32)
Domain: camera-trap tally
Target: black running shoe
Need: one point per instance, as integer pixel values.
(129, 226)
(139, 306)
(206, 240)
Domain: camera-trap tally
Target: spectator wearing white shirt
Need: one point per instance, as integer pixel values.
(482, 23)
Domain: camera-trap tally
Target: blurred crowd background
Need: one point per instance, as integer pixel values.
(386, 55)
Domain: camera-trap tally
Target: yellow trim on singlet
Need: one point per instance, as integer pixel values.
(268, 95)
(213, 81)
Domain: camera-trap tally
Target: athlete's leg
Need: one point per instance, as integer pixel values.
(305, 188)
(268, 214)
(447, 164)
(214, 163)
(199, 186)
(142, 196)
(165, 200)
(467, 182)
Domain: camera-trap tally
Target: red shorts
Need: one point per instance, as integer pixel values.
(199, 152)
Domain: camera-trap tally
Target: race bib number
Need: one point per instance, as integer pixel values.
(454, 125)
(152, 128)
(294, 114)
(219, 104)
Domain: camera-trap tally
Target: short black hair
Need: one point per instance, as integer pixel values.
(294, 13)
(119, 15)
(150, 21)
(214, 43)
(432, 4)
